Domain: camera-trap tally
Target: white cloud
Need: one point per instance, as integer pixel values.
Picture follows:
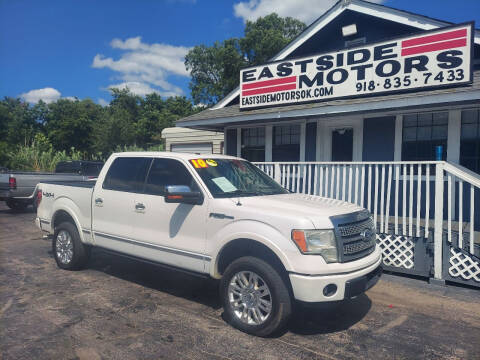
(71, 98)
(304, 10)
(102, 102)
(145, 68)
(140, 88)
(47, 94)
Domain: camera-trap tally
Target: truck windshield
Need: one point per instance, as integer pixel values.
(227, 178)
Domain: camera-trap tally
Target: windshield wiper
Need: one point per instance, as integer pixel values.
(274, 192)
(242, 193)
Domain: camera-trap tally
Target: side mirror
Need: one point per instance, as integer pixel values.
(182, 194)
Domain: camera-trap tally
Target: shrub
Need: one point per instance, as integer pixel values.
(39, 156)
(158, 147)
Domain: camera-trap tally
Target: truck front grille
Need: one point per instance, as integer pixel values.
(355, 228)
(355, 235)
(357, 246)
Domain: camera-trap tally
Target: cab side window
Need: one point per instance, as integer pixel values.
(127, 174)
(164, 172)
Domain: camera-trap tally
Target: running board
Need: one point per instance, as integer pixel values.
(150, 262)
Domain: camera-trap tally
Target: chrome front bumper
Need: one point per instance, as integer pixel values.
(311, 288)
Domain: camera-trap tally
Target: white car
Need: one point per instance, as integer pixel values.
(222, 217)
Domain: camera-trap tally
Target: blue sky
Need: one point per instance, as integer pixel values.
(80, 48)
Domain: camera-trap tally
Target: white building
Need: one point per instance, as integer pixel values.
(193, 141)
(380, 107)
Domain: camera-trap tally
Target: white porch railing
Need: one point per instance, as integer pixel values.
(407, 201)
(466, 184)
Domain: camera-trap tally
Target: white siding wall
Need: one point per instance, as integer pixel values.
(178, 135)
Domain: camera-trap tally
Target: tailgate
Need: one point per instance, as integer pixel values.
(4, 181)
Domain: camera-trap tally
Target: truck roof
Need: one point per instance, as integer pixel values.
(171, 154)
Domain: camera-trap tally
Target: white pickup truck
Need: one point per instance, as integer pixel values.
(220, 217)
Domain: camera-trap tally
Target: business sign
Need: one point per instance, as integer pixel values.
(433, 59)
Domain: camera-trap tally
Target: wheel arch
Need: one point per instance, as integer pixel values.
(244, 246)
(60, 216)
(64, 215)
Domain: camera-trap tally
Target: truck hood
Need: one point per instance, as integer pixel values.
(315, 208)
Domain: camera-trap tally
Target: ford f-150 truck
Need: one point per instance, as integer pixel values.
(220, 217)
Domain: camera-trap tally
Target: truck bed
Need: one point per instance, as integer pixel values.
(71, 194)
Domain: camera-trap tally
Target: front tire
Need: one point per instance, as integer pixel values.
(255, 298)
(68, 250)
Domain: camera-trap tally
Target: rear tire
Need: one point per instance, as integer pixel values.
(255, 298)
(16, 205)
(68, 250)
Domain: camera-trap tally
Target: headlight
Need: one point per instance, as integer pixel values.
(318, 242)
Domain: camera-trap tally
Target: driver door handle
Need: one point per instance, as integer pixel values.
(98, 201)
(139, 206)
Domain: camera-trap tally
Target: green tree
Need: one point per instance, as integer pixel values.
(215, 69)
(18, 123)
(5, 118)
(40, 112)
(150, 119)
(69, 124)
(118, 125)
(157, 114)
(266, 36)
(32, 135)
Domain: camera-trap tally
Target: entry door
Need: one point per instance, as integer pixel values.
(342, 145)
(169, 233)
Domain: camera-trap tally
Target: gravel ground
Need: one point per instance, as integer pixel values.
(122, 309)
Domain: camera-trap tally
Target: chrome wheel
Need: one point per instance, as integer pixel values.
(250, 298)
(64, 247)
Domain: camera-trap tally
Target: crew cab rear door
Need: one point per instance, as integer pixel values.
(170, 233)
(114, 202)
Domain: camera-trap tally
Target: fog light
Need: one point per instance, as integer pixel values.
(330, 290)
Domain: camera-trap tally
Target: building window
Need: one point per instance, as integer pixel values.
(425, 136)
(470, 140)
(286, 143)
(253, 144)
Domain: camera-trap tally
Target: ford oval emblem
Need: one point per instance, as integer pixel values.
(367, 234)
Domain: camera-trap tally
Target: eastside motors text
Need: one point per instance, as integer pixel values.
(435, 58)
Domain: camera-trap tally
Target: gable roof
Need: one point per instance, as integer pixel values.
(361, 6)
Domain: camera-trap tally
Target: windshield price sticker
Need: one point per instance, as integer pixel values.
(199, 163)
(211, 162)
(427, 60)
(224, 184)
